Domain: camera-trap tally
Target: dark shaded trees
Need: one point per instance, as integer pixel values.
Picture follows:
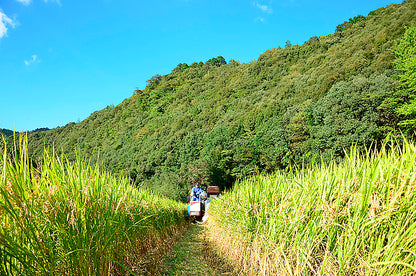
(218, 61)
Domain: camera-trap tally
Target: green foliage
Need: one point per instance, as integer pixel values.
(348, 115)
(6, 132)
(218, 61)
(217, 122)
(356, 19)
(405, 62)
(343, 26)
(154, 81)
(180, 68)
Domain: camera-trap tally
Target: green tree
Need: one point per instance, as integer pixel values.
(218, 61)
(180, 68)
(356, 19)
(405, 62)
(348, 115)
(154, 81)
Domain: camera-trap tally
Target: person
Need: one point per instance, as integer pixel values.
(196, 192)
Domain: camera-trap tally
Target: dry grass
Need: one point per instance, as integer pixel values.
(353, 218)
(69, 218)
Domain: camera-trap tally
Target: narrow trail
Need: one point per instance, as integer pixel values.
(192, 256)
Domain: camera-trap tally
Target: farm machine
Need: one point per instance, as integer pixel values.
(198, 206)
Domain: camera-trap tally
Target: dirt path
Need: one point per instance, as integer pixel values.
(192, 256)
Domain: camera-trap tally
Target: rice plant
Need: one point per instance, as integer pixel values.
(353, 218)
(71, 218)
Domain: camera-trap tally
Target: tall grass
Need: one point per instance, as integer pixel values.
(353, 218)
(70, 218)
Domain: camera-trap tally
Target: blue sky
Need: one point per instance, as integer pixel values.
(61, 60)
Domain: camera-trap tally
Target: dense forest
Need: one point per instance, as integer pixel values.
(218, 121)
(6, 132)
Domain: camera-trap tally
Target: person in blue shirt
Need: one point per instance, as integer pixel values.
(196, 192)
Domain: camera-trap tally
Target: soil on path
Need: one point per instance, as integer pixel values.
(192, 256)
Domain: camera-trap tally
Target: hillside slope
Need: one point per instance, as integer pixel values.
(6, 132)
(215, 122)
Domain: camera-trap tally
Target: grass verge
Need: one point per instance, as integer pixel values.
(192, 255)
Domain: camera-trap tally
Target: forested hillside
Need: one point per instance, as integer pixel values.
(217, 121)
(6, 132)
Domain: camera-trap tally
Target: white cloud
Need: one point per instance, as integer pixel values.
(24, 2)
(264, 8)
(259, 19)
(54, 1)
(34, 59)
(5, 21)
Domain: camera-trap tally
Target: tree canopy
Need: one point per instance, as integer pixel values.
(405, 62)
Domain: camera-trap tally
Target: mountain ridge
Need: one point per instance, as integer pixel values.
(216, 122)
(6, 132)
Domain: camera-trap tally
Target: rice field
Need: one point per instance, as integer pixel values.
(71, 218)
(353, 218)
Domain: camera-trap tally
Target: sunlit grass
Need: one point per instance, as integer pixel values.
(71, 218)
(353, 218)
